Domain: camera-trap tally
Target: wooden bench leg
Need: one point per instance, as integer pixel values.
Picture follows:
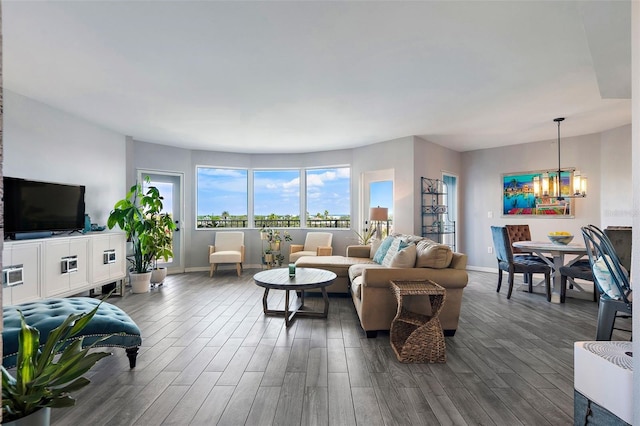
(132, 354)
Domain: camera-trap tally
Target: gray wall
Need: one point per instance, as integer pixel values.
(43, 143)
(603, 157)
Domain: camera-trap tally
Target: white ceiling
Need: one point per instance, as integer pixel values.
(311, 76)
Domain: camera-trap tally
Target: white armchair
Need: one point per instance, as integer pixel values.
(228, 248)
(315, 244)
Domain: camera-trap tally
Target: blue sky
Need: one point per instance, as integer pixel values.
(381, 194)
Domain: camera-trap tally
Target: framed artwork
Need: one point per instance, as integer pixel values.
(518, 198)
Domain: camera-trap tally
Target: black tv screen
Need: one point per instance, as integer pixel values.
(32, 206)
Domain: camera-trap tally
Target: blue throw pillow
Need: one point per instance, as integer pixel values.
(382, 250)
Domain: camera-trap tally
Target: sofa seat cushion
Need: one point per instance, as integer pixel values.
(356, 270)
(338, 264)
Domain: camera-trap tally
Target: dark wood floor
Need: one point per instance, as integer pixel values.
(210, 356)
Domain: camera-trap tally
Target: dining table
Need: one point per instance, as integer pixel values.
(544, 249)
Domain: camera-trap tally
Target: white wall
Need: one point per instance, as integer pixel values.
(396, 155)
(430, 161)
(43, 143)
(482, 193)
(615, 165)
(635, 267)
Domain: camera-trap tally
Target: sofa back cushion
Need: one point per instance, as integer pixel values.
(430, 254)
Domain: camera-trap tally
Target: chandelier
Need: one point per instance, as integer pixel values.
(549, 184)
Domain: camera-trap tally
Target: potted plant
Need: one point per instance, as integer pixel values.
(41, 382)
(365, 237)
(268, 256)
(137, 216)
(161, 244)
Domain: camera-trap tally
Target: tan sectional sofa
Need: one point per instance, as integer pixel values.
(368, 281)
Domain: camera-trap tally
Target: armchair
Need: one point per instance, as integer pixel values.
(315, 244)
(228, 248)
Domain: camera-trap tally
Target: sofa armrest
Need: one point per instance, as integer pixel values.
(324, 251)
(458, 261)
(295, 247)
(359, 251)
(380, 277)
(212, 249)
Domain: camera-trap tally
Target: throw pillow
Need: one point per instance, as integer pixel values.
(605, 280)
(375, 245)
(382, 250)
(405, 258)
(395, 247)
(430, 254)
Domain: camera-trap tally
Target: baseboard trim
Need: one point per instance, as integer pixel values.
(483, 269)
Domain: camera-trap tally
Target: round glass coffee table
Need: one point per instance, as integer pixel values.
(304, 279)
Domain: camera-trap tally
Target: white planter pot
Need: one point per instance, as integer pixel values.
(158, 275)
(140, 283)
(42, 417)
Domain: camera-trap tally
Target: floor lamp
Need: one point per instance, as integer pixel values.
(379, 215)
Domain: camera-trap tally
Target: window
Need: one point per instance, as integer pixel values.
(328, 198)
(221, 200)
(276, 198)
(381, 195)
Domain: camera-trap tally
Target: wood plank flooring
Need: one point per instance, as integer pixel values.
(210, 357)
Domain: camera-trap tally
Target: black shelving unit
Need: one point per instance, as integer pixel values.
(435, 218)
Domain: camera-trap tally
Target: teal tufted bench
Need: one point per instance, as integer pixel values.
(45, 315)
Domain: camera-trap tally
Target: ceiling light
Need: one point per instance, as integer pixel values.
(549, 183)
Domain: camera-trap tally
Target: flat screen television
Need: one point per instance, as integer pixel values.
(33, 206)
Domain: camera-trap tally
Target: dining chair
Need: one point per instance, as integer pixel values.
(521, 232)
(228, 248)
(517, 264)
(580, 269)
(612, 280)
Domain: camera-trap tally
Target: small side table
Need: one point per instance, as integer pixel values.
(417, 337)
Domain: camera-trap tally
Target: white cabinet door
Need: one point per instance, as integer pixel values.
(66, 267)
(29, 256)
(108, 259)
(56, 280)
(79, 250)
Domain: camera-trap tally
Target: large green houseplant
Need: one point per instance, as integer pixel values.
(161, 244)
(42, 381)
(140, 216)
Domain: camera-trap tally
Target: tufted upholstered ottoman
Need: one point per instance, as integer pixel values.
(47, 314)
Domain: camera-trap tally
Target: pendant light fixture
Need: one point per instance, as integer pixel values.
(548, 184)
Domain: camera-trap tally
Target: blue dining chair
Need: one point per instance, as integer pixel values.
(517, 264)
(611, 278)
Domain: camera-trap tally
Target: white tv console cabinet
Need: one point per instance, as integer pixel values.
(61, 266)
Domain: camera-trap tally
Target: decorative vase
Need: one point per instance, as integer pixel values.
(140, 283)
(158, 275)
(42, 417)
(275, 246)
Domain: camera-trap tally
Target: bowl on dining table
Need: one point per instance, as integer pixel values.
(560, 237)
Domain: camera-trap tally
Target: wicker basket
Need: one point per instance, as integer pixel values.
(416, 337)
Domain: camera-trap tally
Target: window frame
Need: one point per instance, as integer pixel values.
(251, 224)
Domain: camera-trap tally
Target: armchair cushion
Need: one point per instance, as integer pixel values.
(315, 244)
(228, 248)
